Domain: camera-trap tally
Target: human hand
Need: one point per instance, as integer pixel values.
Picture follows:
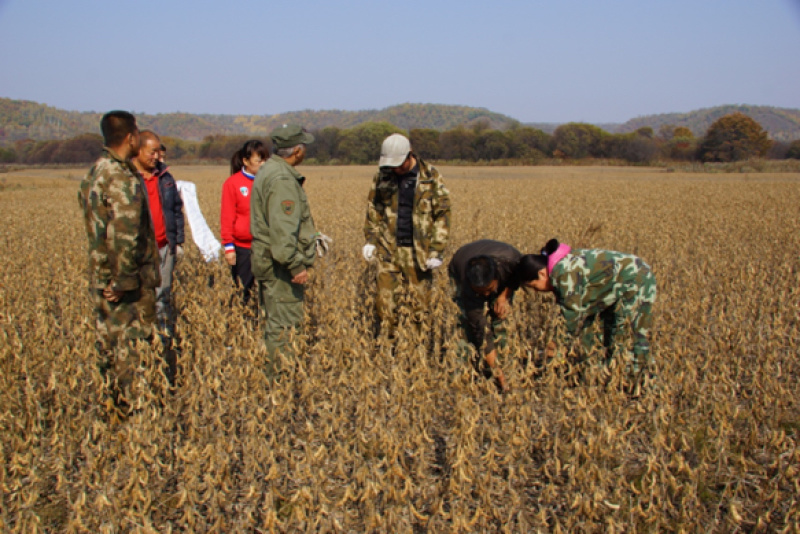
(501, 308)
(368, 252)
(323, 244)
(112, 295)
(230, 257)
(179, 253)
(300, 278)
(433, 263)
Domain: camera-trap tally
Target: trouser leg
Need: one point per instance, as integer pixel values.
(242, 273)
(119, 327)
(282, 302)
(164, 291)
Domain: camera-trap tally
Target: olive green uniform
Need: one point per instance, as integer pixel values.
(283, 246)
(123, 256)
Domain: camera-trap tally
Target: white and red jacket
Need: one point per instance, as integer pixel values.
(235, 213)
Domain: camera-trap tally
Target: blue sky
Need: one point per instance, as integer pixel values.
(536, 61)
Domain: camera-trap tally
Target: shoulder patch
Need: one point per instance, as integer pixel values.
(288, 207)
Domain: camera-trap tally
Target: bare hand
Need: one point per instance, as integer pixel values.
(111, 295)
(230, 257)
(501, 307)
(300, 278)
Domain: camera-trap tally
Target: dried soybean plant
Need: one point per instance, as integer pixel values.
(367, 433)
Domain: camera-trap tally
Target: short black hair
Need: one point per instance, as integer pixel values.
(481, 271)
(116, 125)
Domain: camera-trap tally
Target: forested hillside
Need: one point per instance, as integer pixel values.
(24, 120)
(782, 124)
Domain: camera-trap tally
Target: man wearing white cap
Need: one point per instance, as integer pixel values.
(407, 227)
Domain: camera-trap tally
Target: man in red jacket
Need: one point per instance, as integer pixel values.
(166, 209)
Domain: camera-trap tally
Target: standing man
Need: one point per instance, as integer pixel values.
(406, 228)
(484, 272)
(284, 240)
(166, 208)
(123, 258)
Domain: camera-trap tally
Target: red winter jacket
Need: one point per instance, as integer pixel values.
(235, 214)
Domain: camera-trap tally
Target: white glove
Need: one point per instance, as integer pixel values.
(369, 252)
(433, 263)
(323, 244)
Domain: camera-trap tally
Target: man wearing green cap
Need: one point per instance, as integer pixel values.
(284, 240)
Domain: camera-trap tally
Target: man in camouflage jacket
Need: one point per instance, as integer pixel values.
(615, 287)
(407, 227)
(284, 240)
(123, 258)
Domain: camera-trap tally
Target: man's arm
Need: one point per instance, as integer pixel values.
(284, 224)
(179, 216)
(127, 207)
(373, 219)
(441, 218)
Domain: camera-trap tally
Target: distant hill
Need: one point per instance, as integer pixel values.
(22, 119)
(782, 124)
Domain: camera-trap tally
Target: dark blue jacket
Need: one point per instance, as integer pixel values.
(171, 205)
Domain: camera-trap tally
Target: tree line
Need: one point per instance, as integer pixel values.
(734, 137)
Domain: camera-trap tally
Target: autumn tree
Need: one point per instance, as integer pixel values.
(734, 137)
(794, 150)
(425, 142)
(325, 147)
(458, 144)
(579, 140)
(492, 145)
(362, 144)
(529, 143)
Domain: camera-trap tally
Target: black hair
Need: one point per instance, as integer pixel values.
(253, 146)
(116, 125)
(481, 271)
(530, 264)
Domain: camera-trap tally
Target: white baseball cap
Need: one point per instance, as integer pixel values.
(394, 150)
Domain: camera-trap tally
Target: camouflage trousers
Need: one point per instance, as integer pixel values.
(281, 308)
(634, 307)
(119, 327)
(397, 276)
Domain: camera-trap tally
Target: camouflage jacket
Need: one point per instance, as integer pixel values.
(430, 219)
(280, 220)
(122, 244)
(587, 281)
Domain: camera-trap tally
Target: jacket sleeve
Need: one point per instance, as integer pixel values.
(127, 207)
(571, 285)
(373, 220)
(227, 213)
(180, 222)
(284, 206)
(441, 219)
